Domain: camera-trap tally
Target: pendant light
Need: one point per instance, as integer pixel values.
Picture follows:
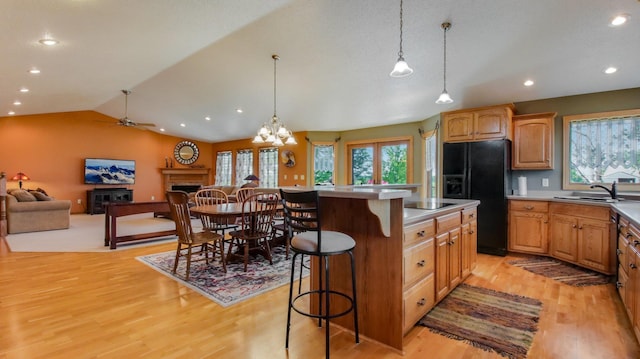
(274, 132)
(401, 69)
(444, 96)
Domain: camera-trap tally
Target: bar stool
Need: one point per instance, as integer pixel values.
(302, 215)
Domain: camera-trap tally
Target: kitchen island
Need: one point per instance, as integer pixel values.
(399, 277)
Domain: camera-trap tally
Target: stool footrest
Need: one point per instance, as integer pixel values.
(320, 315)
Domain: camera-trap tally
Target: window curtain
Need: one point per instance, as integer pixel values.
(268, 158)
(223, 168)
(244, 165)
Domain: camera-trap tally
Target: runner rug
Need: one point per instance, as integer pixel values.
(487, 319)
(561, 271)
(234, 286)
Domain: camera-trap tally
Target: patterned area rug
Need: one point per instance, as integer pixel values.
(561, 271)
(235, 285)
(487, 319)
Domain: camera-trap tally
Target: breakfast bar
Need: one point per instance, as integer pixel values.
(393, 292)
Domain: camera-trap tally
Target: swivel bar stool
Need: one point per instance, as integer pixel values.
(303, 222)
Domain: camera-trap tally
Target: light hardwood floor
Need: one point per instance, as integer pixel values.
(109, 305)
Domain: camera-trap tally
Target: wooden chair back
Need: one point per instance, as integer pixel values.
(257, 214)
(211, 196)
(243, 193)
(179, 207)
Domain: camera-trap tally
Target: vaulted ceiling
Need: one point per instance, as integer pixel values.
(191, 59)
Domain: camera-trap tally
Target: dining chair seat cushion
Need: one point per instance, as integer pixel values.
(332, 242)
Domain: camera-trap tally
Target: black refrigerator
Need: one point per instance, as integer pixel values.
(481, 171)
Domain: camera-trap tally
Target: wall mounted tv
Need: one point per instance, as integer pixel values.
(107, 171)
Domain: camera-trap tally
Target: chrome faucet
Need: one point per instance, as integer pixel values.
(613, 192)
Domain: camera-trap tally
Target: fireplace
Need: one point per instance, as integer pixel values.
(185, 179)
(186, 188)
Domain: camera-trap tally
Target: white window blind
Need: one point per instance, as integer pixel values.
(268, 161)
(223, 168)
(244, 165)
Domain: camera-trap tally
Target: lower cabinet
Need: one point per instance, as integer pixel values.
(448, 255)
(628, 272)
(528, 226)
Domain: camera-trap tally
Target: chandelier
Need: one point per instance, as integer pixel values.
(275, 131)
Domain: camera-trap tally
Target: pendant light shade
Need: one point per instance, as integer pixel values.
(274, 132)
(401, 69)
(444, 96)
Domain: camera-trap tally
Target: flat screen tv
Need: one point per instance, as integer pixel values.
(107, 171)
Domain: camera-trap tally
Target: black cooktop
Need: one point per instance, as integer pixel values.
(427, 205)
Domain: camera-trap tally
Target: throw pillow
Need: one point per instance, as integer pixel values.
(23, 196)
(41, 191)
(40, 196)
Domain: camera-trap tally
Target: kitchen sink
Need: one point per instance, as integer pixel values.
(590, 198)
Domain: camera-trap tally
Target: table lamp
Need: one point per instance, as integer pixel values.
(252, 178)
(20, 177)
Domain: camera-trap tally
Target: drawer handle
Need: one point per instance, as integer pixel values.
(619, 251)
(574, 226)
(472, 215)
(636, 242)
(422, 302)
(452, 243)
(471, 231)
(421, 234)
(619, 285)
(528, 207)
(580, 227)
(628, 235)
(632, 266)
(421, 263)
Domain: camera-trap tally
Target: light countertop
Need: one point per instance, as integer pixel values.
(356, 192)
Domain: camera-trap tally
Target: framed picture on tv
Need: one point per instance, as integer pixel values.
(108, 171)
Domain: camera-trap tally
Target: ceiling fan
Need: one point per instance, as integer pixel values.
(125, 121)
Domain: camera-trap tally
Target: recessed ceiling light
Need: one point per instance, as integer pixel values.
(183, 125)
(24, 89)
(17, 102)
(34, 71)
(610, 70)
(208, 118)
(48, 41)
(162, 130)
(529, 83)
(11, 113)
(619, 20)
(239, 110)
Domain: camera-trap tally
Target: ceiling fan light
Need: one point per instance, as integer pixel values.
(444, 98)
(401, 69)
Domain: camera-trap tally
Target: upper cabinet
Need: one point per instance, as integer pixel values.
(478, 124)
(533, 141)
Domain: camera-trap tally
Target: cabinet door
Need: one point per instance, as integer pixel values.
(472, 245)
(593, 245)
(564, 237)
(490, 124)
(625, 294)
(633, 292)
(528, 232)
(533, 141)
(455, 267)
(442, 266)
(458, 127)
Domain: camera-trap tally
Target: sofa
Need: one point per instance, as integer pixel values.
(32, 211)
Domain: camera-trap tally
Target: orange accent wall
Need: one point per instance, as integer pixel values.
(299, 150)
(51, 148)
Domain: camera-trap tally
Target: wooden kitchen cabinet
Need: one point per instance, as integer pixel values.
(581, 234)
(448, 255)
(528, 226)
(532, 147)
(478, 124)
(469, 238)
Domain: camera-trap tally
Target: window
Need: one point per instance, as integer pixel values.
(381, 162)
(244, 165)
(324, 165)
(268, 161)
(223, 168)
(430, 176)
(602, 148)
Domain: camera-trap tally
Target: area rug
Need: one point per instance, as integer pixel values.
(487, 319)
(561, 271)
(234, 286)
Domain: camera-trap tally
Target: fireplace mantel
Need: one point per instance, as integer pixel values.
(184, 177)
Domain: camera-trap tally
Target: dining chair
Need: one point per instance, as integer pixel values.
(243, 193)
(302, 215)
(188, 238)
(213, 197)
(255, 230)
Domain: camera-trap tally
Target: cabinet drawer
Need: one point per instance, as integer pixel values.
(585, 211)
(417, 302)
(419, 232)
(447, 222)
(469, 214)
(418, 261)
(531, 206)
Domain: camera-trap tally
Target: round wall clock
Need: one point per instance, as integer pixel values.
(186, 152)
(288, 158)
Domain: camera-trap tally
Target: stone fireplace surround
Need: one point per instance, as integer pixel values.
(185, 179)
